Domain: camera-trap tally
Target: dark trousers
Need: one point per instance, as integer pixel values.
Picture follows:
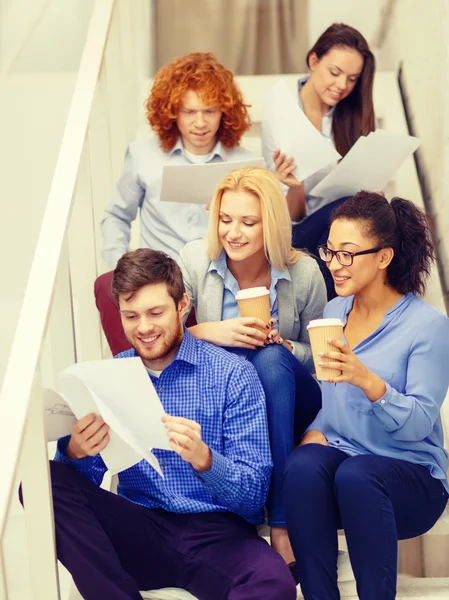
(293, 399)
(113, 548)
(377, 500)
(110, 316)
(313, 232)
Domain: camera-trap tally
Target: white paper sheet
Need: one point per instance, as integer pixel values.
(58, 415)
(196, 184)
(369, 165)
(122, 392)
(294, 134)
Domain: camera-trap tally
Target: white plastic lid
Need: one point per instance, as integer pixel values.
(325, 323)
(254, 292)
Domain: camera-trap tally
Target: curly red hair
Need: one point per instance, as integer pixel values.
(215, 85)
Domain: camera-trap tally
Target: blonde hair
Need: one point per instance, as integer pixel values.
(277, 227)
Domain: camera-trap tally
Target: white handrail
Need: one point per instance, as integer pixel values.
(29, 335)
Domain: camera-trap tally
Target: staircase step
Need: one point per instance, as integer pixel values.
(430, 588)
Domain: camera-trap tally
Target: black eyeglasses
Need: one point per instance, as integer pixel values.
(344, 257)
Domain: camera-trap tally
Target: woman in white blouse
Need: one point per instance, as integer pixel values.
(337, 97)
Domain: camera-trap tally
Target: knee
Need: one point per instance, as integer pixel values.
(354, 477)
(62, 475)
(276, 579)
(271, 364)
(301, 467)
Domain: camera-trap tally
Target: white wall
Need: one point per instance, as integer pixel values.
(17, 19)
(364, 16)
(418, 36)
(57, 40)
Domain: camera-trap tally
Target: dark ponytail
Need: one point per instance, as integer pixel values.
(399, 225)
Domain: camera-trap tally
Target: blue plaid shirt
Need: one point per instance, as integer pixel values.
(223, 394)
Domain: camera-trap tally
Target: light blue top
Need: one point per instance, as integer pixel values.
(230, 308)
(165, 226)
(409, 351)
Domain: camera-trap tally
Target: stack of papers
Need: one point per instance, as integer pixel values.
(369, 165)
(119, 390)
(289, 129)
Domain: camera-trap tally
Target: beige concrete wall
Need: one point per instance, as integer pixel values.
(417, 35)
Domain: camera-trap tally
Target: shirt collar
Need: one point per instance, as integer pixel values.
(187, 350)
(221, 267)
(348, 303)
(218, 150)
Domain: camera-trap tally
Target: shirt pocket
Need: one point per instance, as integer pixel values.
(356, 398)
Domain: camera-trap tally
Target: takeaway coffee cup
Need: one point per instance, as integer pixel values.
(255, 302)
(320, 330)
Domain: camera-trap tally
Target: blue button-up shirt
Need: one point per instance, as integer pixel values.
(165, 226)
(230, 308)
(409, 351)
(223, 394)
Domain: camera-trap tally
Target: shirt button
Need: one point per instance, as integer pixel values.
(161, 389)
(163, 463)
(382, 401)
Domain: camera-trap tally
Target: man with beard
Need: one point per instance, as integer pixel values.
(196, 527)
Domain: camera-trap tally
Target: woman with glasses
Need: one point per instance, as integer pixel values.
(373, 461)
(248, 246)
(337, 97)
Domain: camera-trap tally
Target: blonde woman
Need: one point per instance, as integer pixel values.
(248, 246)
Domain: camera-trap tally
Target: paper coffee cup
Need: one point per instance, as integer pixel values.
(255, 302)
(320, 330)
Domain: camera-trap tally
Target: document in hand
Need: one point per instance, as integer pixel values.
(291, 131)
(369, 165)
(119, 390)
(196, 184)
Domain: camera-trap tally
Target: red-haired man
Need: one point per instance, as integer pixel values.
(198, 114)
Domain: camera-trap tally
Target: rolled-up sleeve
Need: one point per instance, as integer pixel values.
(410, 416)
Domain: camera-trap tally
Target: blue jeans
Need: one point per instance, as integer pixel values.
(293, 399)
(376, 499)
(312, 232)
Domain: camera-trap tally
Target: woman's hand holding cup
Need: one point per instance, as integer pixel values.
(243, 332)
(349, 368)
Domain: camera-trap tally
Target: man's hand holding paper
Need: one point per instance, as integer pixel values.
(185, 439)
(89, 436)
